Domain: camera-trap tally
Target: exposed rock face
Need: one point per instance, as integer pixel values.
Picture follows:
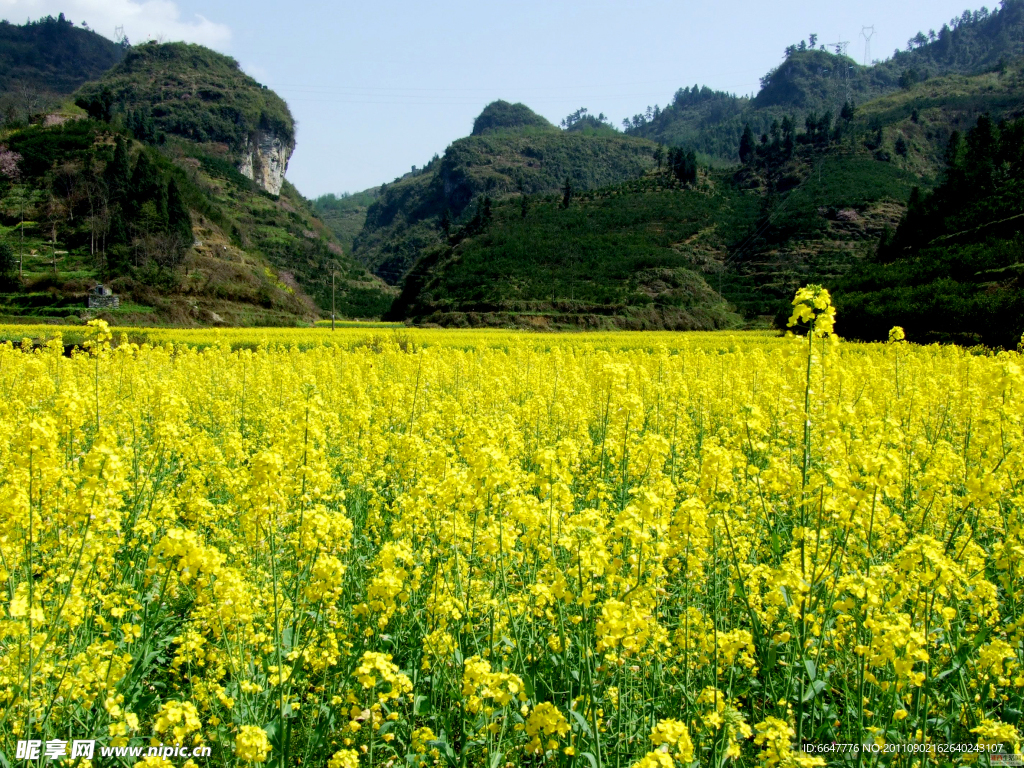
(265, 160)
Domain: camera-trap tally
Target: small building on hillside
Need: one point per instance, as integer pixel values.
(100, 297)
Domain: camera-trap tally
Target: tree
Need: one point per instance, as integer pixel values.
(747, 146)
(7, 264)
(147, 186)
(909, 77)
(567, 193)
(179, 222)
(66, 182)
(982, 149)
(99, 107)
(684, 165)
(812, 40)
(848, 111)
(901, 146)
(140, 123)
(118, 173)
(659, 155)
(9, 163)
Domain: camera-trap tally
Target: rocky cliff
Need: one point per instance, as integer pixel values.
(191, 92)
(265, 160)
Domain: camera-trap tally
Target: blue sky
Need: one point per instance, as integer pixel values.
(377, 87)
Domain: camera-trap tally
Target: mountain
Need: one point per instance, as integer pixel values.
(725, 246)
(188, 91)
(636, 255)
(165, 179)
(43, 61)
(952, 271)
(511, 151)
(345, 214)
(815, 80)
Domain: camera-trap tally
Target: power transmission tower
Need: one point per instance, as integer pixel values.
(867, 33)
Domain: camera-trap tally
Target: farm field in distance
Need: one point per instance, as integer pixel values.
(386, 546)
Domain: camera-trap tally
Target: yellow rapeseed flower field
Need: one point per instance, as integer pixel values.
(393, 547)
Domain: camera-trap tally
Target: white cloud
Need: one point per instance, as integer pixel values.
(149, 20)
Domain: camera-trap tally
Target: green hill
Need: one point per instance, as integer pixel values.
(810, 204)
(167, 182)
(817, 80)
(511, 152)
(844, 191)
(43, 61)
(502, 116)
(191, 92)
(345, 214)
(631, 256)
(953, 269)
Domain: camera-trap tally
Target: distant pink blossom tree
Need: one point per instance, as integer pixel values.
(9, 160)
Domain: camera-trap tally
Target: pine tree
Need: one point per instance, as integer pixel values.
(179, 222)
(118, 173)
(567, 193)
(145, 185)
(747, 145)
(117, 232)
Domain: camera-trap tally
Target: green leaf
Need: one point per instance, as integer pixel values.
(420, 705)
(811, 668)
(813, 690)
(581, 721)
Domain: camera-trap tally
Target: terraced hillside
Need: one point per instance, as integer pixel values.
(511, 151)
(180, 207)
(655, 252)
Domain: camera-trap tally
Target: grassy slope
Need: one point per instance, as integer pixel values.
(961, 280)
(629, 256)
(405, 219)
(345, 215)
(849, 198)
(588, 262)
(258, 260)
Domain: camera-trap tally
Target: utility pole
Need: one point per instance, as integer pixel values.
(21, 258)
